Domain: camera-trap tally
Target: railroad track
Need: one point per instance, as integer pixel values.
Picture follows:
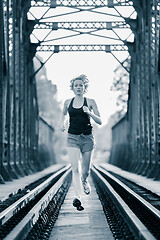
(129, 215)
(17, 220)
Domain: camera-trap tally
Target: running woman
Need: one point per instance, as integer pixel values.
(80, 139)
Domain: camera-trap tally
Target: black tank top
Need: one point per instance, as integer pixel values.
(79, 120)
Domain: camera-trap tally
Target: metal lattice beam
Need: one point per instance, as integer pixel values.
(79, 6)
(69, 48)
(82, 25)
(80, 3)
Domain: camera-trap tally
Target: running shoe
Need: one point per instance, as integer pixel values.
(86, 187)
(77, 203)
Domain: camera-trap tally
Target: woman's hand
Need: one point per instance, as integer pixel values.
(63, 129)
(86, 109)
(95, 114)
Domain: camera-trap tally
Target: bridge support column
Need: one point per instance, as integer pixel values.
(1, 87)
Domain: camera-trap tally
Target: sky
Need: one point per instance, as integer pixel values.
(98, 66)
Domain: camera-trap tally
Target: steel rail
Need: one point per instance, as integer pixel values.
(139, 228)
(23, 228)
(146, 204)
(19, 204)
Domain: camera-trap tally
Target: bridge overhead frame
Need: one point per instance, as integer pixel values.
(91, 28)
(18, 100)
(143, 128)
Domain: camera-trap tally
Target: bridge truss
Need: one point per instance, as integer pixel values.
(74, 29)
(31, 27)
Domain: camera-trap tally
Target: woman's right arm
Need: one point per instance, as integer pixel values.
(64, 115)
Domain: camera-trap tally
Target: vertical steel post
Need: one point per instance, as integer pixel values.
(8, 102)
(150, 102)
(20, 79)
(135, 110)
(155, 97)
(25, 103)
(1, 87)
(18, 87)
(14, 124)
(10, 85)
(157, 175)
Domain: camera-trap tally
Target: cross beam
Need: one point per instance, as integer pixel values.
(82, 25)
(69, 48)
(80, 3)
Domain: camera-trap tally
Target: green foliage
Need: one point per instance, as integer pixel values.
(121, 86)
(50, 110)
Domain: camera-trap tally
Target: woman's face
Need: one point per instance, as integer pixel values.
(78, 87)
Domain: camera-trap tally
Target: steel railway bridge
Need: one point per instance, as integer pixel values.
(136, 137)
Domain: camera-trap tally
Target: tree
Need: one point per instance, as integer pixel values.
(121, 84)
(50, 109)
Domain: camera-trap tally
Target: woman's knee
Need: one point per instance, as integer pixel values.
(86, 169)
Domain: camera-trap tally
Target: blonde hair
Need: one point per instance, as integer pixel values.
(82, 77)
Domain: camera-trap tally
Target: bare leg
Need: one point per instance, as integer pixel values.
(86, 159)
(74, 156)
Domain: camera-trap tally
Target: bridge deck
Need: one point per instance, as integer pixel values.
(88, 224)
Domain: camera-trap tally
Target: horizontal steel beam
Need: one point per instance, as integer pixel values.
(69, 48)
(81, 25)
(80, 3)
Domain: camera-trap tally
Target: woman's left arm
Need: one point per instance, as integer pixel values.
(95, 115)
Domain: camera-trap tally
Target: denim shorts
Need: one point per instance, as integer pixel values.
(84, 142)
